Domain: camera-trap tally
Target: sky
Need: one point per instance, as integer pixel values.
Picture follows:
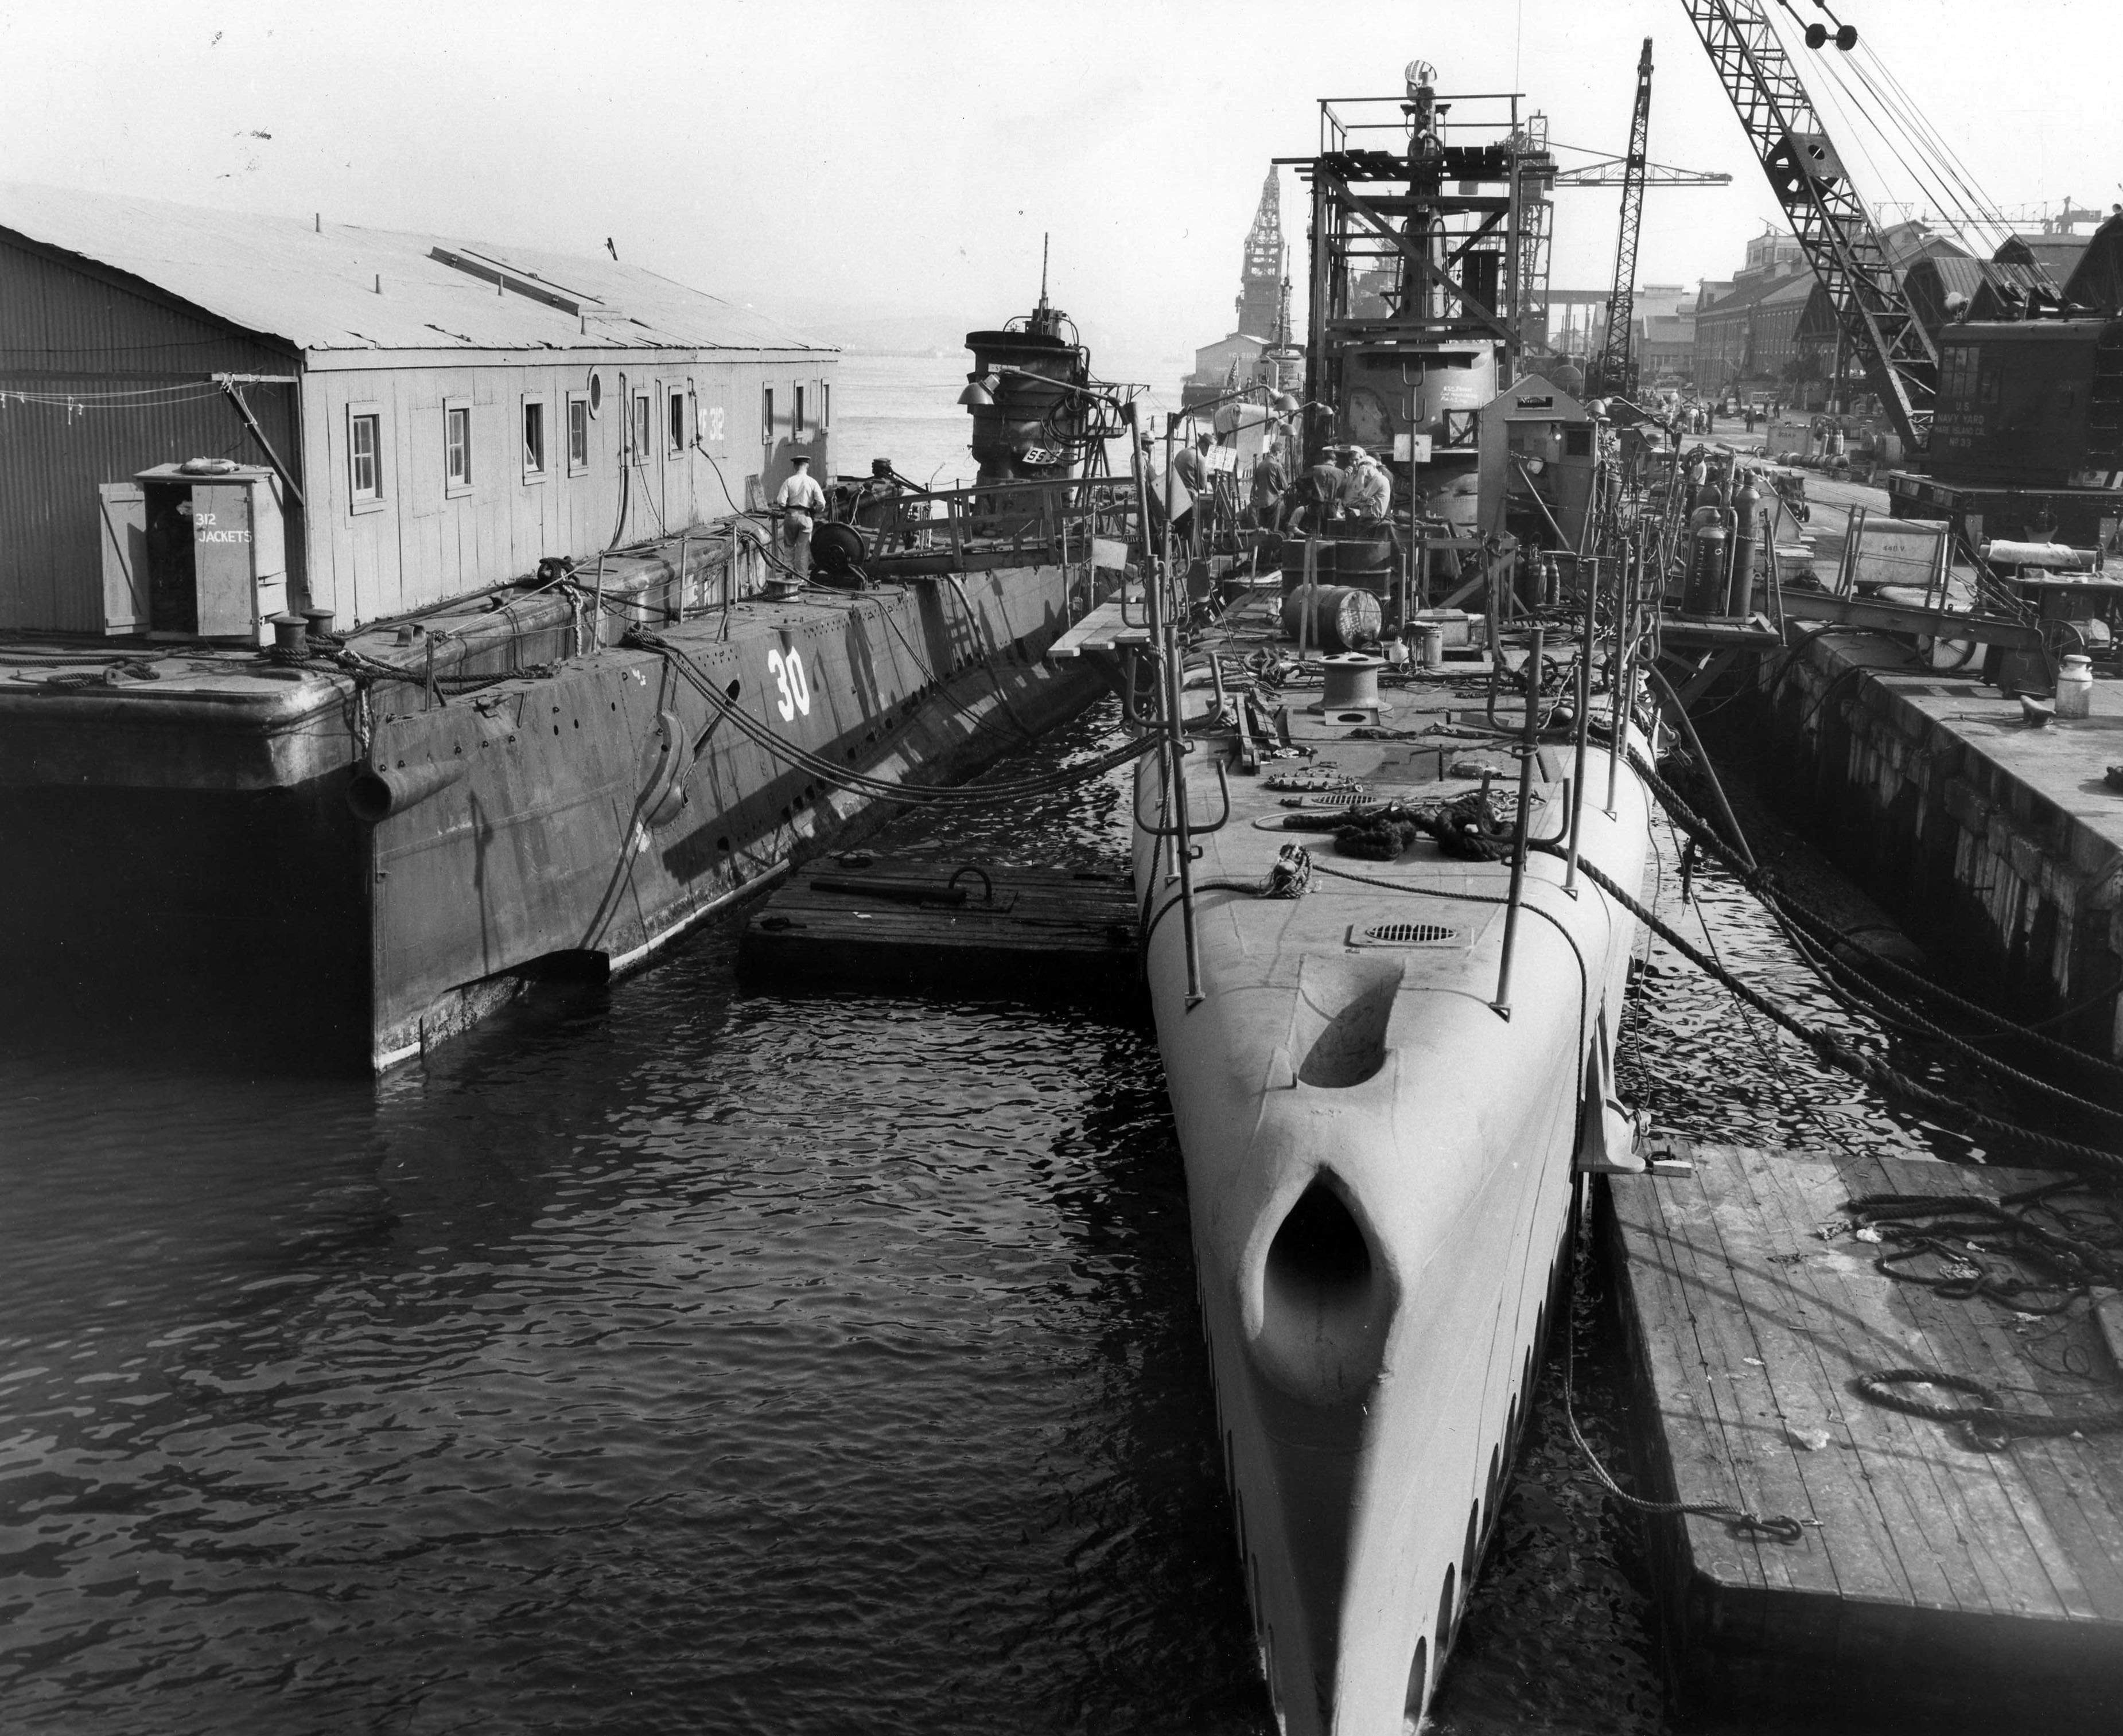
(882, 158)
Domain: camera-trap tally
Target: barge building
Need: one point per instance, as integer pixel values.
(489, 506)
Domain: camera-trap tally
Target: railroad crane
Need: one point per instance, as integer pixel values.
(1827, 216)
(2014, 421)
(1613, 370)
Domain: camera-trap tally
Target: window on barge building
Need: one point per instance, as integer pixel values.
(766, 414)
(534, 439)
(677, 417)
(643, 423)
(456, 448)
(579, 433)
(364, 463)
(796, 415)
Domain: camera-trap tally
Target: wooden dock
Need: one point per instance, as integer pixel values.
(1936, 1583)
(941, 925)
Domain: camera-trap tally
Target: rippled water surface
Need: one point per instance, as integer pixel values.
(677, 1356)
(681, 1356)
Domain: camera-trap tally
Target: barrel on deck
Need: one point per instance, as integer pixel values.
(1343, 618)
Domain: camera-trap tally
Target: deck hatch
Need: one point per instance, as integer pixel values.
(1408, 933)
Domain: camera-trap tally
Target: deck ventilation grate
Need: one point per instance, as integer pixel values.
(1408, 933)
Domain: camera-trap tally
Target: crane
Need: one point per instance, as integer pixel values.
(1602, 171)
(1831, 222)
(1614, 369)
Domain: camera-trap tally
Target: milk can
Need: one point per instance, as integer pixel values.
(2074, 688)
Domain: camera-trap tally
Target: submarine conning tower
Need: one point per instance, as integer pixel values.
(1034, 375)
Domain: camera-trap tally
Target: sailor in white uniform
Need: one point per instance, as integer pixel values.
(800, 497)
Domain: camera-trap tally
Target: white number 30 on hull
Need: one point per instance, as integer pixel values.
(792, 686)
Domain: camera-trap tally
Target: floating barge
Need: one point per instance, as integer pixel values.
(479, 664)
(1934, 1582)
(949, 927)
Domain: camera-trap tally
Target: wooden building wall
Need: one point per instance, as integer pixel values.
(116, 379)
(422, 543)
(135, 367)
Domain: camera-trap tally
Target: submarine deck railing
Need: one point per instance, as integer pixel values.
(1046, 518)
(703, 570)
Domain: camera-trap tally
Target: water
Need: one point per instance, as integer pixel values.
(678, 1355)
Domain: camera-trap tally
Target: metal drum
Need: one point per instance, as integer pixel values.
(1365, 555)
(1293, 562)
(1343, 618)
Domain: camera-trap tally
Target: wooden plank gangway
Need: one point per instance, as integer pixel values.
(1937, 1581)
(950, 927)
(1116, 625)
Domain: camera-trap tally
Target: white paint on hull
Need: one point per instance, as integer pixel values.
(1379, 1172)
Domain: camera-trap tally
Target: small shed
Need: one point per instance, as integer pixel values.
(1537, 446)
(431, 416)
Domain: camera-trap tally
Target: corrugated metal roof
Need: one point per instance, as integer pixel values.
(317, 289)
(2058, 254)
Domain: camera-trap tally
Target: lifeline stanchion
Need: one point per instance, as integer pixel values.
(1529, 754)
(1625, 642)
(1165, 636)
(1583, 723)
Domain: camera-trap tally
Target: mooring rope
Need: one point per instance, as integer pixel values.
(827, 772)
(1838, 1053)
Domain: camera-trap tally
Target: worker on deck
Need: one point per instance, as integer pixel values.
(1192, 468)
(1270, 483)
(1318, 494)
(1366, 491)
(800, 498)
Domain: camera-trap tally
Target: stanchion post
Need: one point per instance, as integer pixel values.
(1164, 634)
(1529, 755)
(1625, 640)
(1583, 721)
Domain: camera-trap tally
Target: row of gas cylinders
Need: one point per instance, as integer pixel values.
(1724, 546)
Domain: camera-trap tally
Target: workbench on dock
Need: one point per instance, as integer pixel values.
(948, 926)
(1934, 1583)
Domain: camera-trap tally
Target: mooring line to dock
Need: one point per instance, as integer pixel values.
(1787, 910)
(1839, 1054)
(1780, 1526)
(827, 772)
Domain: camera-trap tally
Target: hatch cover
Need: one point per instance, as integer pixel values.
(1408, 933)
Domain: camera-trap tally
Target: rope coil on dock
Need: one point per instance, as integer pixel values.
(1990, 1425)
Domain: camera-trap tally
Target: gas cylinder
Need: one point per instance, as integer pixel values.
(1705, 595)
(1746, 540)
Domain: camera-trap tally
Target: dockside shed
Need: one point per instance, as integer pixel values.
(434, 415)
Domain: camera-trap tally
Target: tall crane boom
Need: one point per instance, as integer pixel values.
(1832, 226)
(1613, 370)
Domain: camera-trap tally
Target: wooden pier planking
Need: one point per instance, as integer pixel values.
(1934, 1582)
(891, 920)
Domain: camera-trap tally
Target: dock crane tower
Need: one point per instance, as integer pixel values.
(1613, 370)
(1831, 222)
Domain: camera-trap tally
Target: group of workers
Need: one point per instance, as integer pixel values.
(1346, 481)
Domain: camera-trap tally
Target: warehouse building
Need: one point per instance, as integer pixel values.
(411, 417)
